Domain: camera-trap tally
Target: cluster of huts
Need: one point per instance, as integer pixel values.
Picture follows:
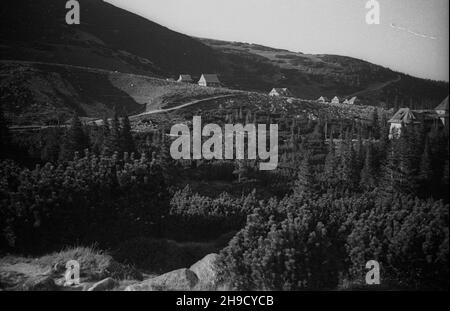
(404, 116)
(208, 80)
(280, 92)
(284, 92)
(336, 100)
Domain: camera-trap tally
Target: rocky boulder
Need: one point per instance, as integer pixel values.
(178, 280)
(207, 272)
(40, 283)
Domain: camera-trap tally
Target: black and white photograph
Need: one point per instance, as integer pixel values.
(224, 151)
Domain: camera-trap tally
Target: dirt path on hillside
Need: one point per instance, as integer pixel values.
(376, 87)
(98, 70)
(188, 104)
(100, 121)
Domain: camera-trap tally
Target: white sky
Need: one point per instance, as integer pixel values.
(318, 26)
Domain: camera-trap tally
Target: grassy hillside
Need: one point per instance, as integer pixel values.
(310, 76)
(36, 93)
(33, 94)
(305, 74)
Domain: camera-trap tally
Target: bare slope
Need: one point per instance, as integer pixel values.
(40, 93)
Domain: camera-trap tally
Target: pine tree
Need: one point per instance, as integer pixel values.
(165, 160)
(5, 137)
(113, 141)
(368, 179)
(305, 182)
(384, 133)
(330, 165)
(126, 136)
(75, 140)
(360, 152)
(105, 131)
(348, 171)
(445, 181)
(398, 175)
(390, 170)
(241, 170)
(375, 124)
(425, 176)
(248, 117)
(315, 143)
(438, 153)
(51, 146)
(408, 161)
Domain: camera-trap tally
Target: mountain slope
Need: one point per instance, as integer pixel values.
(33, 93)
(124, 44)
(106, 38)
(310, 76)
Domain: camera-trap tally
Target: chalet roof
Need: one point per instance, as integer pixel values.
(335, 98)
(281, 91)
(185, 78)
(405, 115)
(210, 78)
(443, 105)
(353, 99)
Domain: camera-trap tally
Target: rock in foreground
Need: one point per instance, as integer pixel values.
(40, 283)
(207, 272)
(178, 280)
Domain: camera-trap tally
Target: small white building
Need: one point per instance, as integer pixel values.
(281, 92)
(185, 79)
(353, 101)
(323, 100)
(335, 100)
(442, 111)
(404, 116)
(210, 80)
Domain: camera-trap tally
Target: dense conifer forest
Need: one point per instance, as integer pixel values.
(344, 194)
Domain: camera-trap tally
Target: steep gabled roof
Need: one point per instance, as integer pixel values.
(185, 78)
(282, 91)
(336, 98)
(353, 100)
(210, 78)
(443, 105)
(405, 115)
